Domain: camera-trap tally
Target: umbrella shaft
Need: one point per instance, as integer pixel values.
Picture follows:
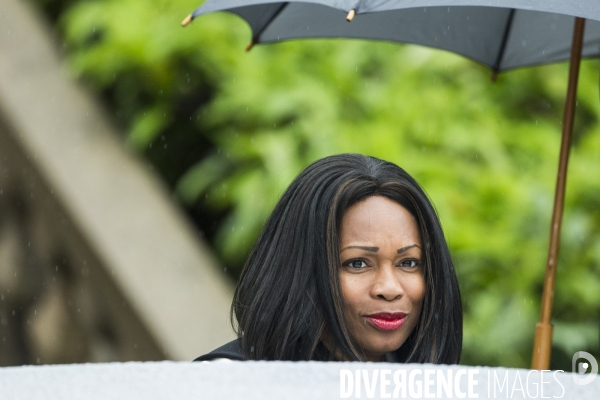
(543, 334)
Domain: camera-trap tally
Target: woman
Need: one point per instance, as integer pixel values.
(351, 265)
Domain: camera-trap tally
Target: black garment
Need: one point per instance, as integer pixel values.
(232, 351)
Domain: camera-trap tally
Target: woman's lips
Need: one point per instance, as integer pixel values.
(387, 321)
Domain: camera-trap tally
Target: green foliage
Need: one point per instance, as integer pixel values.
(240, 126)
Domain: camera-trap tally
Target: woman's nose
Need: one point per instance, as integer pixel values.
(387, 284)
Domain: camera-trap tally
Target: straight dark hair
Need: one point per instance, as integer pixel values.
(289, 293)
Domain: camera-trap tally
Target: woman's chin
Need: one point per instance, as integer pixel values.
(378, 349)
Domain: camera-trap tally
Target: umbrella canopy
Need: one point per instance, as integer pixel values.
(501, 34)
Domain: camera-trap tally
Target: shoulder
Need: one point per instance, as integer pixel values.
(229, 351)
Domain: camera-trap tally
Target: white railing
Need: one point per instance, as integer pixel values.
(285, 380)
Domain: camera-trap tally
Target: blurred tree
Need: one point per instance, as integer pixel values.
(229, 130)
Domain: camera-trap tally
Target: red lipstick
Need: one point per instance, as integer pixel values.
(387, 321)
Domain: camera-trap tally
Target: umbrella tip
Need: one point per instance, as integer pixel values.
(494, 76)
(187, 20)
(351, 15)
(250, 45)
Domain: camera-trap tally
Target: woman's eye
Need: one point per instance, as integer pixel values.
(411, 263)
(358, 264)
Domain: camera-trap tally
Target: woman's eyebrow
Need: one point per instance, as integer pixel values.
(367, 248)
(403, 249)
(376, 249)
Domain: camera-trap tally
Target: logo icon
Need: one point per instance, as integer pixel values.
(585, 371)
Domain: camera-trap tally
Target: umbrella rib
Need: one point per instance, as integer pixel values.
(256, 37)
(507, 29)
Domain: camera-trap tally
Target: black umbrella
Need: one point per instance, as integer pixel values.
(500, 34)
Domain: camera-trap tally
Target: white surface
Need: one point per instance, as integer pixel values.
(248, 380)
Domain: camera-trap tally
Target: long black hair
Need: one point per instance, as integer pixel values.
(289, 293)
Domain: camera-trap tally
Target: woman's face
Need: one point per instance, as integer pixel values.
(381, 274)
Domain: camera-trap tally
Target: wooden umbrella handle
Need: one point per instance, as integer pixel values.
(542, 344)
